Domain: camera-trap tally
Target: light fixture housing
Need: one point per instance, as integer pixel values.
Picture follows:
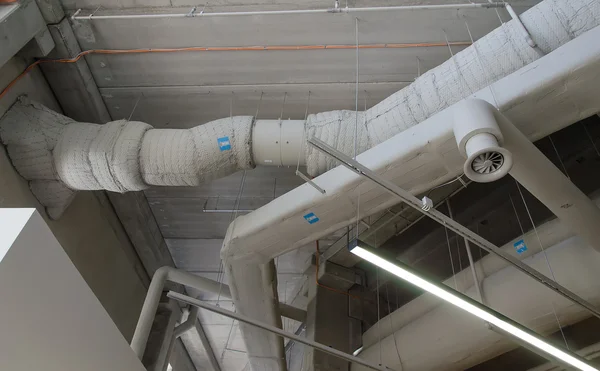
(462, 301)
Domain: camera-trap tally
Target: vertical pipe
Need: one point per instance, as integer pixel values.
(144, 325)
(166, 347)
(188, 324)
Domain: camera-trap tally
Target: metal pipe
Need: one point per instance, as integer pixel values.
(275, 330)
(522, 27)
(461, 230)
(168, 338)
(193, 14)
(163, 274)
(144, 325)
(298, 331)
(212, 357)
(188, 324)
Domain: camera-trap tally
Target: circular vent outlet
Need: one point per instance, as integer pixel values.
(487, 162)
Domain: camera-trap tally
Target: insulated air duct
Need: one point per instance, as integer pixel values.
(415, 156)
(553, 92)
(59, 156)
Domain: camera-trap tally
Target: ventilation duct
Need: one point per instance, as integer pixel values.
(129, 156)
(479, 139)
(539, 99)
(413, 159)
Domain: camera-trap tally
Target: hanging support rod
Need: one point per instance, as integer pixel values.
(240, 317)
(193, 14)
(458, 228)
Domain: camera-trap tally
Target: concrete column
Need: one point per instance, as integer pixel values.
(328, 321)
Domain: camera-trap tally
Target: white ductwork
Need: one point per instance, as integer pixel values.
(538, 99)
(550, 234)
(479, 139)
(85, 156)
(430, 342)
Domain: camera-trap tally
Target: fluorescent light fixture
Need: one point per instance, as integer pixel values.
(467, 304)
(357, 351)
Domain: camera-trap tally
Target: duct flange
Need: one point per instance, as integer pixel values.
(480, 140)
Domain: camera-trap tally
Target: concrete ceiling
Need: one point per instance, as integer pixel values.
(182, 90)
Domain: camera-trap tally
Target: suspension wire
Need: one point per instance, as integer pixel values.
(387, 294)
(591, 139)
(500, 18)
(489, 77)
(450, 254)
(517, 215)
(135, 106)
(356, 90)
(356, 120)
(303, 355)
(457, 243)
(378, 312)
(547, 262)
(283, 105)
(558, 155)
(464, 82)
(259, 103)
(221, 273)
(302, 141)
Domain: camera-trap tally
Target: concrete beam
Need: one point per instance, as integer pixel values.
(334, 275)
(19, 23)
(51, 10)
(73, 83)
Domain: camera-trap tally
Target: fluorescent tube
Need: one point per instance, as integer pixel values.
(465, 303)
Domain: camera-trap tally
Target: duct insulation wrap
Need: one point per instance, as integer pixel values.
(551, 24)
(58, 155)
(177, 157)
(92, 156)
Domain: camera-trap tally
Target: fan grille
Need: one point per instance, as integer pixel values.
(487, 163)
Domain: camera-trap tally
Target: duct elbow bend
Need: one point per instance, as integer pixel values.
(480, 140)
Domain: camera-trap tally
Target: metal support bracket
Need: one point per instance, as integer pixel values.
(324, 348)
(309, 181)
(521, 26)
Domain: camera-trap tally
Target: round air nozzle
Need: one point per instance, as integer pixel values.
(486, 161)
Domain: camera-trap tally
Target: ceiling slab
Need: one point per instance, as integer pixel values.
(185, 107)
(263, 67)
(296, 29)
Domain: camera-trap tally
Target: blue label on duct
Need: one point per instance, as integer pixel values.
(224, 143)
(311, 218)
(520, 246)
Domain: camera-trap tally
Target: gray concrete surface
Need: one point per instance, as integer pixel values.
(89, 230)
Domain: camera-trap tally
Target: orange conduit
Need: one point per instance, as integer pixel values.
(228, 49)
(327, 287)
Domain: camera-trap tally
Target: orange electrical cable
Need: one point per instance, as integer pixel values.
(327, 287)
(227, 49)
